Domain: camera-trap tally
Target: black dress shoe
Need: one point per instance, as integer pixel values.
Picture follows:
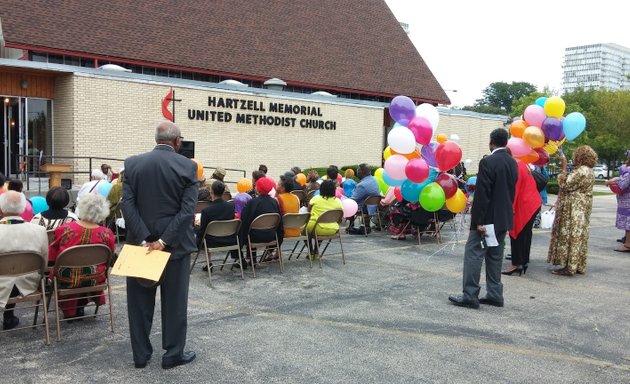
(461, 302)
(141, 365)
(508, 256)
(487, 301)
(187, 357)
(10, 323)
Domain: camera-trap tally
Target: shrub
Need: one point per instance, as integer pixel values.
(552, 187)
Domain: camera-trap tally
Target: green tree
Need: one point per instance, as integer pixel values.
(502, 95)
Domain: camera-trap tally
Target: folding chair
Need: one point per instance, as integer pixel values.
(22, 263)
(221, 228)
(309, 196)
(328, 217)
(80, 256)
(371, 200)
(301, 195)
(51, 236)
(266, 221)
(298, 221)
(201, 205)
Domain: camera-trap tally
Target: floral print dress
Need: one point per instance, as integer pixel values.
(569, 236)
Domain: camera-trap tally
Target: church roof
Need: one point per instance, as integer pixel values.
(340, 45)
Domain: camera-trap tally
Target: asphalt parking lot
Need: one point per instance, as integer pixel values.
(383, 317)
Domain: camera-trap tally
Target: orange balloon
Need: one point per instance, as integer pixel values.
(199, 169)
(517, 128)
(301, 178)
(441, 138)
(387, 153)
(534, 137)
(244, 185)
(530, 157)
(413, 155)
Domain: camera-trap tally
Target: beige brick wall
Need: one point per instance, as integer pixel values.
(116, 119)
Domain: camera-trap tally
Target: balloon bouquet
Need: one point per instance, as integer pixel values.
(542, 130)
(415, 167)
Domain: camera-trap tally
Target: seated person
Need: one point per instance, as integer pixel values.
(259, 205)
(288, 202)
(256, 175)
(114, 196)
(367, 186)
(319, 204)
(57, 199)
(18, 235)
(311, 181)
(93, 210)
(332, 173)
(91, 186)
(219, 174)
(204, 190)
(17, 186)
(219, 209)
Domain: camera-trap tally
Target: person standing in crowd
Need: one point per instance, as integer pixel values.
(623, 203)
(569, 235)
(543, 193)
(494, 196)
(367, 186)
(57, 199)
(526, 205)
(107, 171)
(159, 198)
(18, 236)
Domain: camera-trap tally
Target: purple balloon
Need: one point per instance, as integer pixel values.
(240, 201)
(402, 110)
(428, 153)
(552, 127)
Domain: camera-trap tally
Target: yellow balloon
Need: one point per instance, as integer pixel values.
(554, 107)
(534, 137)
(457, 202)
(387, 153)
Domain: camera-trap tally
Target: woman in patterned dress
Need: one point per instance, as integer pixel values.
(569, 236)
(623, 202)
(93, 210)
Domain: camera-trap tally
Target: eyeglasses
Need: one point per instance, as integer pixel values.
(181, 137)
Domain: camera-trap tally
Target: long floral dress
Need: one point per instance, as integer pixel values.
(623, 199)
(569, 236)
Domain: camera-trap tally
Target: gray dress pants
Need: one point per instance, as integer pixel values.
(474, 255)
(174, 299)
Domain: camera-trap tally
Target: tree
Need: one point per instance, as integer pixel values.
(502, 95)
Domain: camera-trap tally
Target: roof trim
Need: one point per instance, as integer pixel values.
(204, 71)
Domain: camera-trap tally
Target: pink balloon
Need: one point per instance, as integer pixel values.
(339, 193)
(518, 146)
(448, 155)
(448, 184)
(395, 167)
(350, 207)
(534, 115)
(417, 170)
(339, 179)
(421, 129)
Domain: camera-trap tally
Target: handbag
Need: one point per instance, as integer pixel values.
(546, 218)
(541, 180)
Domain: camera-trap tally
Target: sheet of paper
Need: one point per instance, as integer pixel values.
(491, 236)
(134, 261)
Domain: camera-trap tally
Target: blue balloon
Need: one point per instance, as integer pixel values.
(573, 125)
(470, 184)
(104, 187)
(391, 182)
(348, 187)
(39, 204)
(316, 193)
(411, 191)
(433, 172)
(541, 101)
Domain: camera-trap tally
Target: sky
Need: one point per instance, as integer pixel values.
(470, 44)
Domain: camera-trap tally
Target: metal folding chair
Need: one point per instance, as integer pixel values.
(300, 195)
(267, 221)
(328, 217)
(298, 221)
(21, 263)
(221, 228)
(371, 200)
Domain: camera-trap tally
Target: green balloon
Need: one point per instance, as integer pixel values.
(432, 197)
(382, 186)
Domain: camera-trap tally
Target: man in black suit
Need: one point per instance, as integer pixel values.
(158, 203)
(494, 195)
(219, 209)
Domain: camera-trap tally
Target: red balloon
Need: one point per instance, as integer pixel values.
(398, 194)
(417, 170)
(543, 157)
(448, 184)
(448, 155)
(422, 129)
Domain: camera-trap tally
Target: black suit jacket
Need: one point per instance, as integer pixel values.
(159, 198)
(219, 209)
(494, 192)
(254, 208)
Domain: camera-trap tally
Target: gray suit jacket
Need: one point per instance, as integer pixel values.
(159, 198)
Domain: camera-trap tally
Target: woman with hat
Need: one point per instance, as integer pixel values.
(623, 202)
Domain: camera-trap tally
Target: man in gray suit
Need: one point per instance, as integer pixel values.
(494, 195)
(158, 203)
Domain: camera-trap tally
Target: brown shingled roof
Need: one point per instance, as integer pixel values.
(352, 45)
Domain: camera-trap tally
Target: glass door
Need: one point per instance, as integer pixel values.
(12, 135)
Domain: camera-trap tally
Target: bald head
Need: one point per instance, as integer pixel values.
(12, 203)
(169, 134)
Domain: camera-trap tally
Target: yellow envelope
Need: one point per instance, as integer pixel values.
(134, 261)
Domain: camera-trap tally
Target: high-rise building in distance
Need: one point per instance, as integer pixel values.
(596, 66)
